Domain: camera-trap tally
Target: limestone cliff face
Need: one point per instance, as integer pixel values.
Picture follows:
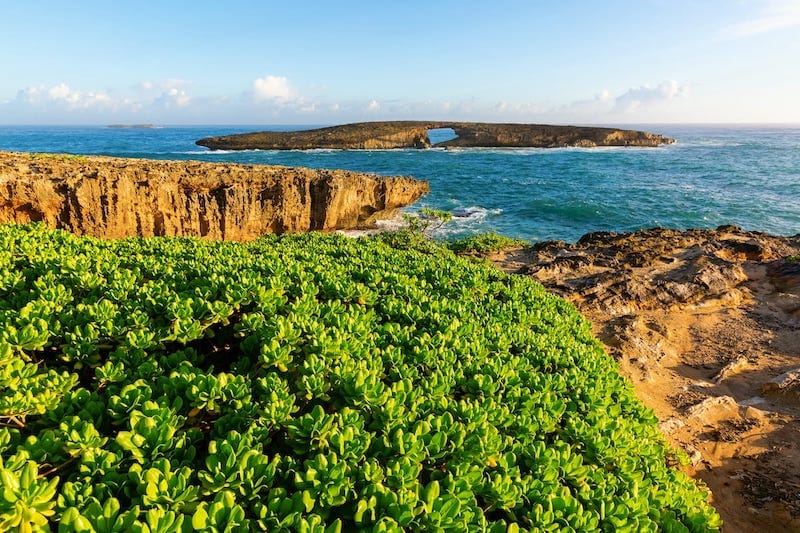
(114, 197)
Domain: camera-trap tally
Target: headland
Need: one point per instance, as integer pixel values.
(414, 134)
(115, 197)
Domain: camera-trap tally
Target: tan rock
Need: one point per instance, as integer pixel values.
(788, 382)
(671, 425)
(732, 368)
(714, 407)
(114, 197)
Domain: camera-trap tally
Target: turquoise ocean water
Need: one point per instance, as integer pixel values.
(713, 175)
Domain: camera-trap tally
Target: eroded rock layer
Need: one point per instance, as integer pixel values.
(414, 134)
(115, 197)
(706, 324)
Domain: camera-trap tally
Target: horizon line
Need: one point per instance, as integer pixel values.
(156, 125)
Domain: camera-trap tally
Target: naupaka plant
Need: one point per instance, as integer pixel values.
(311, 383)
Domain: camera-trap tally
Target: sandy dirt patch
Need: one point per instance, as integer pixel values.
(706, 324)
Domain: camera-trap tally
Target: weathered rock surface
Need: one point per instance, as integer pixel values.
(620, 274)
(786, 383)
(115, 197)
(414, 134)
(705, 323)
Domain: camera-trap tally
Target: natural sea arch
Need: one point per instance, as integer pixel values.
(440, 135)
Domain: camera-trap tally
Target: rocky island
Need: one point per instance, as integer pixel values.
(414, 134)
(115, 197)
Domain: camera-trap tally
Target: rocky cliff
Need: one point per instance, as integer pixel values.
(114, 197)
(414, 134)
(544, 136)
(361, 136)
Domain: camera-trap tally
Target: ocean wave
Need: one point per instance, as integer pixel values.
(712, 143)
(214, 152)
(465, 220)
(474, 212)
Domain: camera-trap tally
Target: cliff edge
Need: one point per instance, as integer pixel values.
(414, 134)
(115, 197)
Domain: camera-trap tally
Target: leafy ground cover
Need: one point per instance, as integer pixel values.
(311, 383)
(484, 243)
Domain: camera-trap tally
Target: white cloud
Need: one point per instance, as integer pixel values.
(274, 99)
(272, 88)
(776, 15)
(63, 96)
(517, 109)
(171, 98)
(179, 96)
(637, 97)
(60, 91)
(31, 94)
(170, 93)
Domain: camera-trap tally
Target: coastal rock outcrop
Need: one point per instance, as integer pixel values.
(414, 134)
(115, 197)
(706, 325)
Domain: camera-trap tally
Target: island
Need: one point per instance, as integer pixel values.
(414, 134)
(132, 126)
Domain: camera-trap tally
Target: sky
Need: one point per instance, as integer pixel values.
(325, 62)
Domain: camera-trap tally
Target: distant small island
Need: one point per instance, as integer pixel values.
(414, 134)
(132, 126)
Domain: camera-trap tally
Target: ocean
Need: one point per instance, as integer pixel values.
(743, 175)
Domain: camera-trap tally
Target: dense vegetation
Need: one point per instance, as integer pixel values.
(310, 383)
(484, 243)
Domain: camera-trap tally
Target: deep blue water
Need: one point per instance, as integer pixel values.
(743, 175)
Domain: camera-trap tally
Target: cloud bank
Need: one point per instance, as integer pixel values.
(273, 99)
(637, 97)
(62, 95)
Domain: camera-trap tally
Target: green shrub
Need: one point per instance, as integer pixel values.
(484, 243)
(311, 383)
(57, 157)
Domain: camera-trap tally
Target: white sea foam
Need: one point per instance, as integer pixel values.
(395, 223)
(473, 212)
(214, 152)
(530, 151)
(465, 220)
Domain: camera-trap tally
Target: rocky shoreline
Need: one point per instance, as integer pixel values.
(706, 324)
(116, 197)
(414, 134)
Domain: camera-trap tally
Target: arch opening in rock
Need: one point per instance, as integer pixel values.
(440, 135)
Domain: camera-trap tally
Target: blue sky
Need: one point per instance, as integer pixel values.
(304, 62)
